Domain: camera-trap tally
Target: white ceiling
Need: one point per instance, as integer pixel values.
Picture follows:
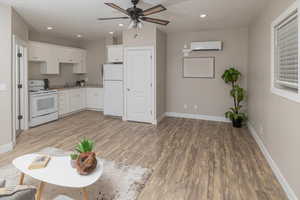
(72, 17)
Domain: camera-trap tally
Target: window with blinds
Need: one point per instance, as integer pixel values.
(286, 52)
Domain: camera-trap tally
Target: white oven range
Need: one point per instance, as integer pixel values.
(43, 103)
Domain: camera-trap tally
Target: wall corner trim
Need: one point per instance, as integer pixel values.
(286, 187)
(160, 118)
(197, 116)
(6, 147)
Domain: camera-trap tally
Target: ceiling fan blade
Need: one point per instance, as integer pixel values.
(110, 18)
(167, 3)
(117, 8)
(156, 21)
(153, 10)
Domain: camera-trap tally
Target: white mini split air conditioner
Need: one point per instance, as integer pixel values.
(207, 46)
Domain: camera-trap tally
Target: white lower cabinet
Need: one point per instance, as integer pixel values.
(74, 100)
(63, 103)
(94, 98)
(77, 99)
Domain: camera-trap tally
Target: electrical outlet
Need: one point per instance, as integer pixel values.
(185, 106)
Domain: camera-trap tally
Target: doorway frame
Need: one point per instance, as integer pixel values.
(17, 41)
(153, 78)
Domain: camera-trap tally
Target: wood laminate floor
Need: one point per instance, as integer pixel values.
(191, 159)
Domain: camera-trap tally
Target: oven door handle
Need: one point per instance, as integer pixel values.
(44, 95)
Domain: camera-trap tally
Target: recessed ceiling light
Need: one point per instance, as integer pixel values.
(79, 36)
(121, 25)
(203, 15)
(50, 28)
(111, 32)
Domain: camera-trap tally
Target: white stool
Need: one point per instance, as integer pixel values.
(62, 197)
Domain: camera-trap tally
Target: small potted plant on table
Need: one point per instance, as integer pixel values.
(231, 76)
(86, 160)
(74, 157)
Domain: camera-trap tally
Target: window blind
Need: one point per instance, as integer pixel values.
(287, 52)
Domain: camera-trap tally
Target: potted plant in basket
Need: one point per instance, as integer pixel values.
(231, 76)
(86, 160)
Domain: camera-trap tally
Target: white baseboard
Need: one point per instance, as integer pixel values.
(288, 190)
(6, 147)
(196, 116)
(95, 109)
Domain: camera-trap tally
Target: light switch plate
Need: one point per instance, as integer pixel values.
(3, 87)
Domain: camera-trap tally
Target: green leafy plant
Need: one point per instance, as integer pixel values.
(85, 146)
(74, 156)
(231, 76)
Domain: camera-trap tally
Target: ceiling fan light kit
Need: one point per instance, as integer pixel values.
(137, 14)
(131, 24)
(140, 25)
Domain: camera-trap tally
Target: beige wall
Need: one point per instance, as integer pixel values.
(161, 66)
(118, 38)
(210, 95)
(19, 26)
(5, 74)
(43, 37)
(146, 36)
(96, 57)
(275, 119)
(65, 76)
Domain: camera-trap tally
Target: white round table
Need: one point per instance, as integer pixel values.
(58, 172)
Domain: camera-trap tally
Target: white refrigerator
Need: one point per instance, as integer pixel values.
(113, 89)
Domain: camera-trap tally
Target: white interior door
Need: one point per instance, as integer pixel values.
(138, 86)
(20, 89)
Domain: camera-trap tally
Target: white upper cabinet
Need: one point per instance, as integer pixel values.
(51, 66)
(68, 55)
(38, 52)
(80, 66)
(51, 55)
(114, 54)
